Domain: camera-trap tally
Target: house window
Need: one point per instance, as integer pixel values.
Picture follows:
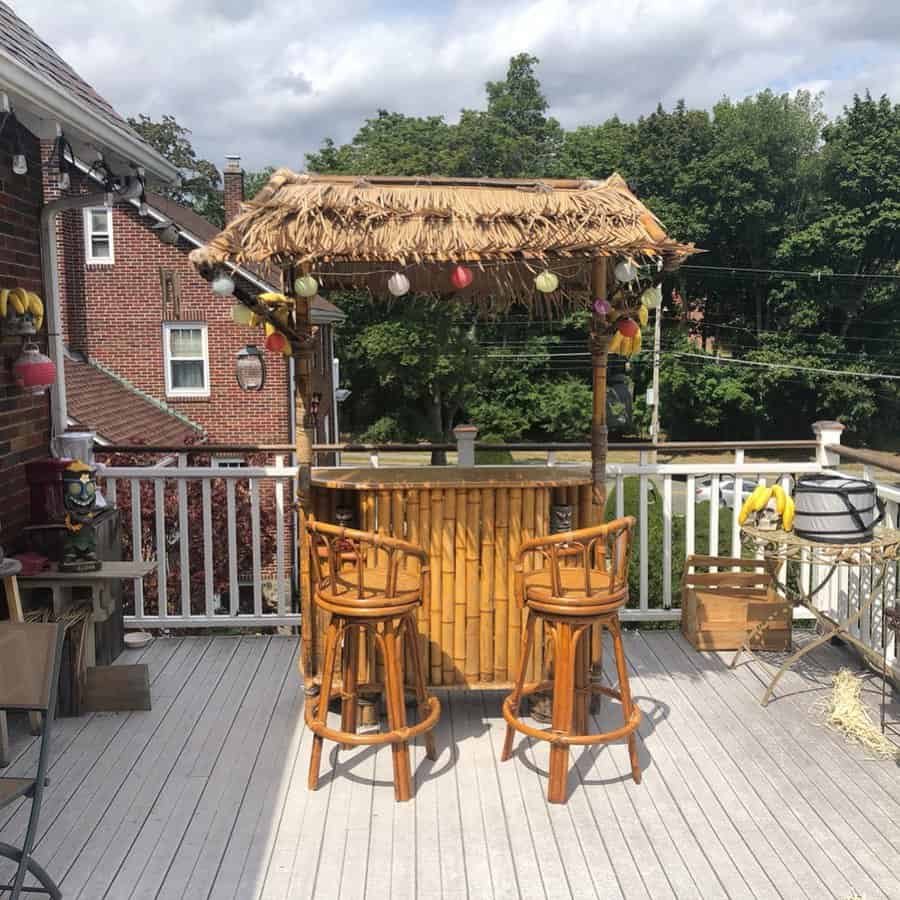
(229, 462)
(98, 235)
(187, 359)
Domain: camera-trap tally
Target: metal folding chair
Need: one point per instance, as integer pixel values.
(29, 674)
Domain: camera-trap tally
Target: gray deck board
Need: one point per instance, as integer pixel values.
(205, 796)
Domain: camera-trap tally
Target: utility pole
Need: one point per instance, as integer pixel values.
(657, 341)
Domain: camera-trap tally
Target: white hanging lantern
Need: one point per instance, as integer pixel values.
(626, 271)
(306, 286)
(398, 284)
(547, 282)
(223, 285)
(652, 297)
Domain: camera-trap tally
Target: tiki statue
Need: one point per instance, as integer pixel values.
(79, 542)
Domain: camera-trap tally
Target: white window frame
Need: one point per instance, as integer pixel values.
(89, 233)
(176, 392)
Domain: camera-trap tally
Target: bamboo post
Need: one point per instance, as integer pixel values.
(437, 606)
(303, 439)
(448, 557)
(473, 593)
(486, 591)
(501, 584)
(459, 590)
(599, 353)
(423, 535)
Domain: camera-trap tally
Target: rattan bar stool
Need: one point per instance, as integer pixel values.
(582, 581)
(363, 580)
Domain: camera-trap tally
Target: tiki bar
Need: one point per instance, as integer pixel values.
(439, 555)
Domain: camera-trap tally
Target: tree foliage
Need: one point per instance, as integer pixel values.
(201, 183)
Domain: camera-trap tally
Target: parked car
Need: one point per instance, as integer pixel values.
(726, 489)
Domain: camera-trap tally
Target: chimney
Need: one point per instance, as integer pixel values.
(234, 187)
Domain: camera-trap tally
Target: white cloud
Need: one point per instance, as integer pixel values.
(271, 79)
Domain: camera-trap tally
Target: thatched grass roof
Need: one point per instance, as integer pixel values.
(351, 230)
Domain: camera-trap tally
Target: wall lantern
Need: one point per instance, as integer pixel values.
(33, 371)
(250, 368)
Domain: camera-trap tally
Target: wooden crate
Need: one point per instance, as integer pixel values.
(719, 608)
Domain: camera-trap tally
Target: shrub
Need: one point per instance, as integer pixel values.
(655, 541)
(386, 430)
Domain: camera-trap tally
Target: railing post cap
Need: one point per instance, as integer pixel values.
(827, 425)
(465, 430)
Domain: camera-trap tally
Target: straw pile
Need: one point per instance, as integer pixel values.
(845, 712)
(358, 231)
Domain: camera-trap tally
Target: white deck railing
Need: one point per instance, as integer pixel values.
(672, 525)
(195, 562)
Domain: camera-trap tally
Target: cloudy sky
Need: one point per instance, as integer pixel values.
(269, 79)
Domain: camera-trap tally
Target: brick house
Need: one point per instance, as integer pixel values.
(135, 309)
(40, 92)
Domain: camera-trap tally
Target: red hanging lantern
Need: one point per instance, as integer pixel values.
(461, 277)
(276, 342)
(628, 327)
(34, 372)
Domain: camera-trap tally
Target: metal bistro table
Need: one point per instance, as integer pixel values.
(786, 549)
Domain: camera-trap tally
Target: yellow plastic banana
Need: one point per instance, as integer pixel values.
(270, 328)
(638, 340)
(615, 343)
(36, 306)
(760, 497)
(643, 315)
(780, 498)
(19, 299)
(627, 346)
(745, 510)
(4, 300)
(273, 297)
(787, 520)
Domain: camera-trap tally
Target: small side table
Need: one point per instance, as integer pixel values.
(786, 548)
(890, 630)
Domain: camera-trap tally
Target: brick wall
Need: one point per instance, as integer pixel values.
(24, 419)
(115, 313)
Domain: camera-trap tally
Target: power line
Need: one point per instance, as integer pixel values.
(789, 273)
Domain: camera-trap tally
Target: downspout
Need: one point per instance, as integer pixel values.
(50, 266)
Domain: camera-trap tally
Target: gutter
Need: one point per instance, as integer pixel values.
(59, 417)
(63, 106)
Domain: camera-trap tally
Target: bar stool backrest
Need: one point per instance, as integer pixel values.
(344, 556)
(601, 548)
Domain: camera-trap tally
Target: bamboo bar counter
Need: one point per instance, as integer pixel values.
(471, 521)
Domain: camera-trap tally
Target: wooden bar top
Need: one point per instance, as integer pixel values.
(437, 477)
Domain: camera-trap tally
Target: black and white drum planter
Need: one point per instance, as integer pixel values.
(836, 510)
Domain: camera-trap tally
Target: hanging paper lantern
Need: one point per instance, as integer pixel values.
(602, 307)
(33, 372)
(243, 315)
(546, 282)
(398, 284)
(461, 277)
(652, 297)
(628, 327)
(306, 286)
(223, 285)
(276, 342)
(626, 271)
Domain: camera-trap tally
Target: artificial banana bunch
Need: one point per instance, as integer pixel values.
(36, 307)
(273, 297)
(759, 499)
(631, 345)
(755, 502)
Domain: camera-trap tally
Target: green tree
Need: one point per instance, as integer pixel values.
(201, 182)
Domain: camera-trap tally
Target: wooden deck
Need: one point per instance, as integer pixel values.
(205, 796)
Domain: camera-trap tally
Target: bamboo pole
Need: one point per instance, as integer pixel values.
(473, 586)
(486, 589)
(528, 511)
(599, 353)
(436, 545)
(585, 506)
(541, 527)
(515, 541)
(448, 563)
(459, 589)
(422, 532)
(501, 584)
